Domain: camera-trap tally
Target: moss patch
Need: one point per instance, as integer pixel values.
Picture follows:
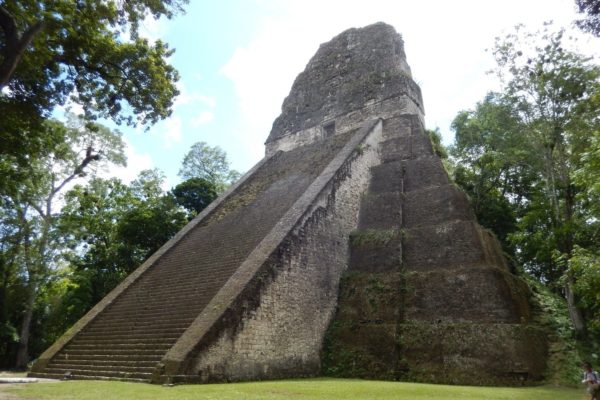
(477, 354)
(550, 311)
(373, 237)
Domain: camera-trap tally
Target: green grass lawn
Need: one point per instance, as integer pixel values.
(341, 389)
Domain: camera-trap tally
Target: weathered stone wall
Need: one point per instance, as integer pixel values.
(428, 295)
(358, 75)
(384, 109)
(281, 335)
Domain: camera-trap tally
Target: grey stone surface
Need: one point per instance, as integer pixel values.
(356, 68)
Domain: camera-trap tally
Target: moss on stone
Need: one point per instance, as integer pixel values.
(373, 237)
(477, 354)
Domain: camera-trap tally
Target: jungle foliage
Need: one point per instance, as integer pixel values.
(528, 158)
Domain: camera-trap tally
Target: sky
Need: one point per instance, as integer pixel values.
(237, 60)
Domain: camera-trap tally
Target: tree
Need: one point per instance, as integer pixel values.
(591, 22)
(584, 266)
(549, 100)
(111, 228)
(30, 204)
(53, 51)
(493, 165)
(154, 218)
(195, 194)
(209, 163)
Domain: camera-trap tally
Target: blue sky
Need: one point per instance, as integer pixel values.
(238, 58)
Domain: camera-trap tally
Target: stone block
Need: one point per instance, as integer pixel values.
(375, 251)
(364, 351)
(381, 211)
(451, 245)
(387, 178)
(417, 125)
(395, 149)
(420, 145)
(424, 172)
(397, 127)
(436, 205)
(482, 295)
(472, 354)
(370, 298)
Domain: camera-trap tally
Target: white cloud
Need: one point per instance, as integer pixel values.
(136, 163)
(202, 118)
(445, 45)
(153, 29)
(172, 128)
(186, 98)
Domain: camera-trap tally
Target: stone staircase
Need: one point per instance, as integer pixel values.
(128, 339)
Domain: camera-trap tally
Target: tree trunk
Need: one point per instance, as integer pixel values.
(574, 311)
(15, 46)
(23, 350)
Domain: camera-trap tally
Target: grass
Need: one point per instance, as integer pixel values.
(305, 389)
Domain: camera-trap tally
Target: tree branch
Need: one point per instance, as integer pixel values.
(7, 23)
(89, 157)
(15, 46)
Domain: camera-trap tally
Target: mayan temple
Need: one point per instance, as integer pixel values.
(345, 251)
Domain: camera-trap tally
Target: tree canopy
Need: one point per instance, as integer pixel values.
(524, 157)
(591, 21)
(209, 163)
(195, 194)
(86, 51)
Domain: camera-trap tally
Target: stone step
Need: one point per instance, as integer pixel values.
(103, 350)
(154, 313)
(121, 321)
(81, 366)
(177, 303)
(187, 287)
(126, 362)
(137, 330)
(129, 330)
(82, 339)
(165, 280)
(128, 346)
(157, 327)
(146, 355)
(137, 308)
(129, 334)
(134, 358)
(99, 374)
(45, 375)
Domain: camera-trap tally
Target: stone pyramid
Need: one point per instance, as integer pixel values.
(345, 251)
